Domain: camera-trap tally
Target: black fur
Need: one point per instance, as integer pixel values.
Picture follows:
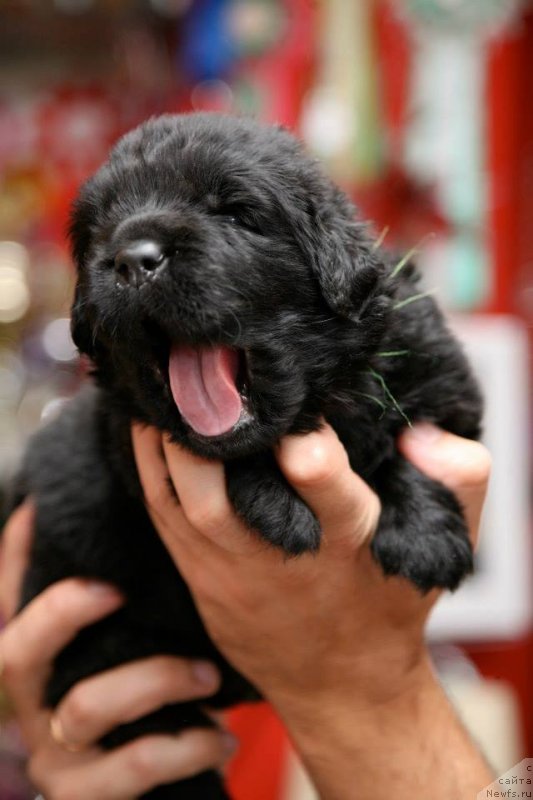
(265, 255)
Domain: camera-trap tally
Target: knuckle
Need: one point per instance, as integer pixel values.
(157, 496)
(169, 675)
(484, 463)
(78, 708)
(211, 516)
(203, 749)
(142, 761)
(312, 473)
(202, 580)
(478, 468)
(196, 751)
(316, 470)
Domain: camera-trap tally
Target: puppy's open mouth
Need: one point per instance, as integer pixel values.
(208, 385)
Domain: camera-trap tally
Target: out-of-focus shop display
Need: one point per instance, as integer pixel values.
(423, 111)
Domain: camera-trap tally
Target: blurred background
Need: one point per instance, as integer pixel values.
(423, 112)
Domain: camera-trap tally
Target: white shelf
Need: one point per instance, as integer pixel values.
(496, 602)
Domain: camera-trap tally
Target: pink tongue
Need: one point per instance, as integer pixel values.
(203, 387)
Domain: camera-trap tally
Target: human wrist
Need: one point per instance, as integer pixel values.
(372, 687)
(356, 740)
(411, 744)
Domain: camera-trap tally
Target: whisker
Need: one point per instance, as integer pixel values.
(375, 399)
(401, 264)
(392, 353)
(413, 298)
(381, 238)
(390, 395)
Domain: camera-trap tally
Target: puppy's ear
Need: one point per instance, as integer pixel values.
(79, 233)
(341, 256)
(80, 326)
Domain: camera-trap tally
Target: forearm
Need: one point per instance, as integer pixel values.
(411, 745)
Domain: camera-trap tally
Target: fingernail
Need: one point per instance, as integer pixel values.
(206, 674)
(230, 743)
(425, 432)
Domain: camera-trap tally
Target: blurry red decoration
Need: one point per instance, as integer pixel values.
(394, 65)
(18, 131)
(53, 227)
(77, 126)
(407, 208)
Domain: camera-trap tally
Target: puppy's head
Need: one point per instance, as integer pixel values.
(224, 287)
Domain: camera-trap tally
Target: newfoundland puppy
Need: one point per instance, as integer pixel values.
(227, 295)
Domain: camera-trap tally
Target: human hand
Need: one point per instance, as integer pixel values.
(309, 631)
(65, 760)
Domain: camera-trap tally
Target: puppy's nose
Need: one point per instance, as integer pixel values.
(137, 262)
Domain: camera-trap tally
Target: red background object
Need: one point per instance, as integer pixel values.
(258, 769)
(509, 105)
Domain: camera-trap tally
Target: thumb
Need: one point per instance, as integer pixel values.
(462, 465)
(316, 465)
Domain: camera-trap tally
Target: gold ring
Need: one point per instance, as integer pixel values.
(57, 734)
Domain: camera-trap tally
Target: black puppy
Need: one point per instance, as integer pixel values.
(227, 295)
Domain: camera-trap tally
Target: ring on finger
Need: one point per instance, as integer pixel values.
(58, 735)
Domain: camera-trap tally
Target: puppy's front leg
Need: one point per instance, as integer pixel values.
(269, 505)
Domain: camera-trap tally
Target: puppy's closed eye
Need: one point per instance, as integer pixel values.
(242, 216)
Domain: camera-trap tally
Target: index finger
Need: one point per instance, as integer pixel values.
(14, 554)
(32, 640)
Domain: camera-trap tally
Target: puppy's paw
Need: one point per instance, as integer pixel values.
(421, 535)
(291, 525)
(269, 505)
(431, 549)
